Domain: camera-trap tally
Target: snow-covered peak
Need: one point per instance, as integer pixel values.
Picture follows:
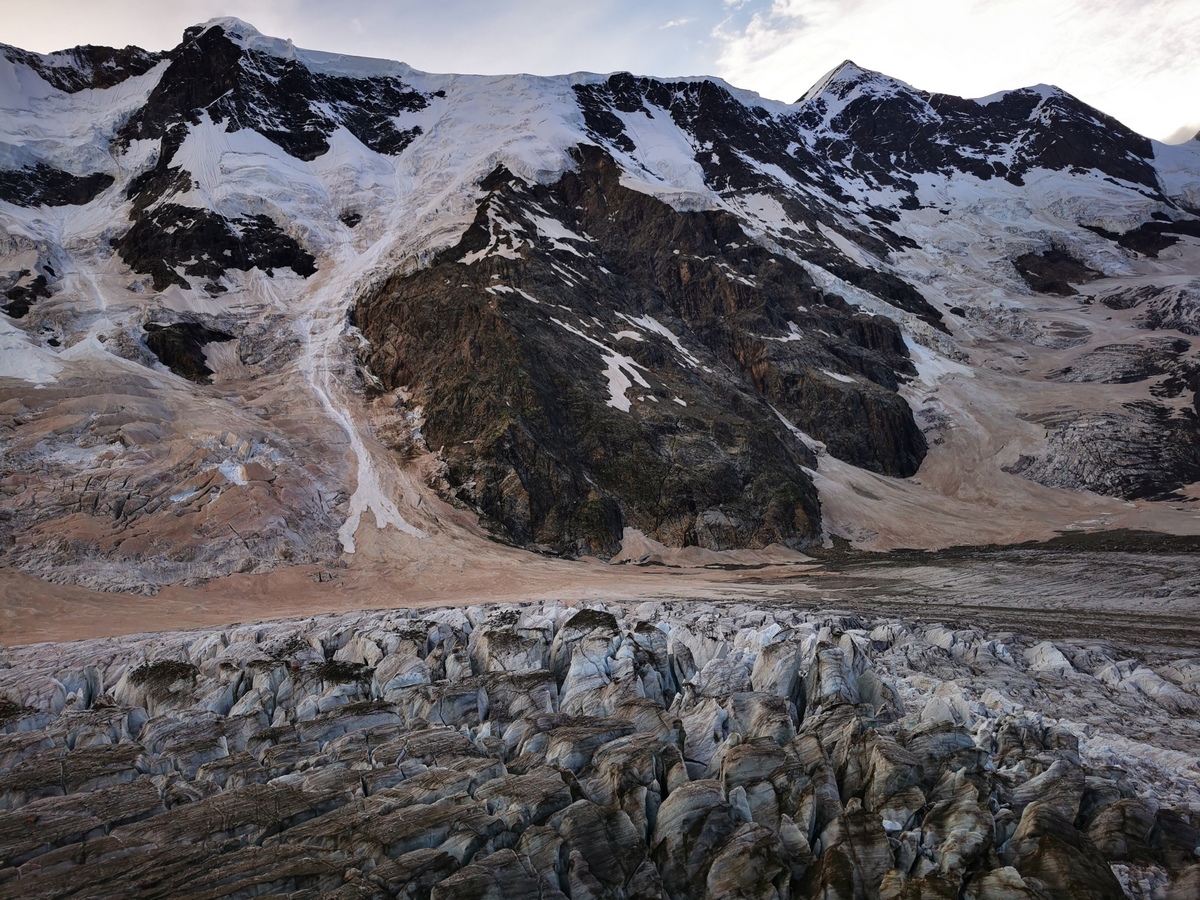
(244, 35)
(847, 76)
(1045, 91)
(847, 70)
(231, 25)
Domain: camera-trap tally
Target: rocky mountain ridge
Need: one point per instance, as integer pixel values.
(255, 293)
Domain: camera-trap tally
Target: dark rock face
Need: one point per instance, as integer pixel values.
(85, 67)
(740, 144)
(717, 121)
(1150, 238)
(279, 98)
(1059, 859)
(180, 347)
(44, 185)
(206, 245)
(506, 340)
(882, 126)
(1052, 271)
(213, 76)
(22, 295)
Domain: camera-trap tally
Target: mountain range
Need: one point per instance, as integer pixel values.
(266, 306)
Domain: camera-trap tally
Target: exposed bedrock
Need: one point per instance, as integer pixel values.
(43, 185)
(180, 347)
(1052, 272)
(87, 66)
(657, 751)
(280, 98)
(589, 359)
(205, 245)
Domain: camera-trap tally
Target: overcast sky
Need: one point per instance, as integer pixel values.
(1138, 60)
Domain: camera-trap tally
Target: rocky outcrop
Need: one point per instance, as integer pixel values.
(892, 130)
(180, 347)
(202, 244)
(1150, 238)
(86, 67)
(691, 365)
(26, 292)
(1053, 271)
(215, 73)
(44, 185)
(710, 752)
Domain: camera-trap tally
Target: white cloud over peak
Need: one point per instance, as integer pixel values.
(1134, 59)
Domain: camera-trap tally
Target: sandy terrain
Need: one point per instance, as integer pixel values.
(1143, 599)
(33, 610)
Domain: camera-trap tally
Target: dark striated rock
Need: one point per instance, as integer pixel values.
(87, 67)
(180, 347)
(604, 851)
(529, 799)
(829, 681)
(205, 245)
(1174, 838)
(1060, 787)
(751, 864)
(1122, 831)
(56, 773)
(693, 823)
(692, 451)
(44, 185)
(279, 98)
(502, 875)
(52, 822)
(1053, 271)
(855, 856)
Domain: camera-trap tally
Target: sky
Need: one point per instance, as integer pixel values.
(1137, 60)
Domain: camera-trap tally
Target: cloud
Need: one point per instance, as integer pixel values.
(675, 23)
(1134, 59)
(1183, 134)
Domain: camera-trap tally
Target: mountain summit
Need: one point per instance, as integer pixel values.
(267, 306)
